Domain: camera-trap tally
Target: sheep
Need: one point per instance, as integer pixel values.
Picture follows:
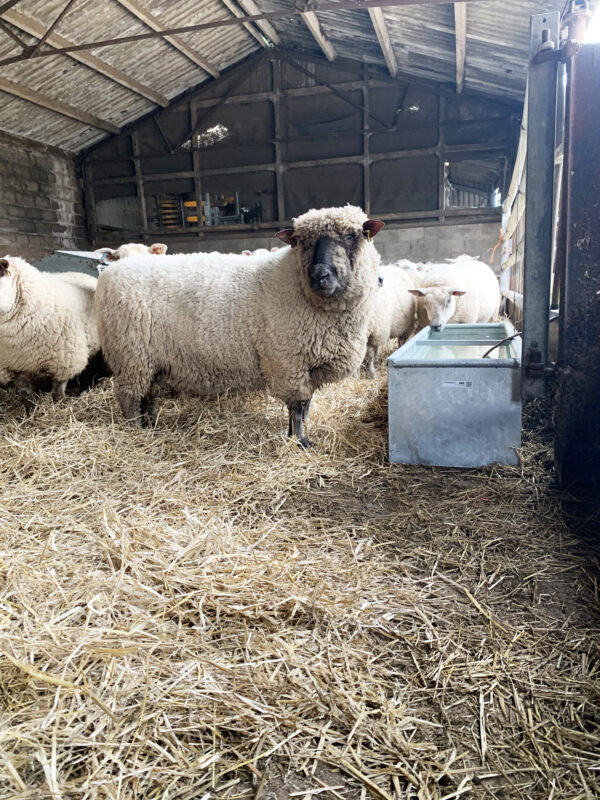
(288, 322)
(394, 313)
(80, 279)
(463, 292)
(128, 250)
(47, 327)
(261, 251)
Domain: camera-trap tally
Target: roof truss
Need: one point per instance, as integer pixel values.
(152, 22)
(34, 28)
(383, 36)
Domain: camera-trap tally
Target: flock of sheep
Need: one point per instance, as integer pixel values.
(288, 320)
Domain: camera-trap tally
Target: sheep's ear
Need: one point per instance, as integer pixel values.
(274, 249)
(287, 237)
(458, 292)
(418, 292)
(246, 252)
(4, 267)
(157, 249)
(371, 228)
(107, 254)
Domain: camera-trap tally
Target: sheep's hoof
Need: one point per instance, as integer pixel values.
(304, 443)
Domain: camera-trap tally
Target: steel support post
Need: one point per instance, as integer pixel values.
(541, 124)
(577, 410)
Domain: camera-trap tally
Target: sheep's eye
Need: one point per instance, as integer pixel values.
(349, 238)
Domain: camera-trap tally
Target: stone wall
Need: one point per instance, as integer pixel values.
(41, 205)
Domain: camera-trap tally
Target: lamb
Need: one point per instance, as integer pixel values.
(394, 314)
(132, 249)
(80, 279)
(47, 326)
(460, 292)
(288, 322)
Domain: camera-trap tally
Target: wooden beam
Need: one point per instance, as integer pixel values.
(50, 103)
(318, 5)
(383, 36)
(56, 22)
(313, 25)
(269, 31)
(150, 20)
(460, 33)
(35, 28)
(231, 6)
(9, 32)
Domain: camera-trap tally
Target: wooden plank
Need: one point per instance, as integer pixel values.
(314, 26)
(269, 31)
(380, 25)
(135, 149)
(35, 28)
(460, 33)
(366, 146)
(231, 6)
(152, 22)
(276, 71)
(325, 5)
(56, 22)
(460, 150)
(39, 99)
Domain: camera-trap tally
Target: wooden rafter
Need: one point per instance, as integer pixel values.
(49, 31)
(152, 22)
(269, 31)
(318, 5)
(460, 33)
(39, 99)
(383, 36)
(9, 32)
(34, 28)
(231, 6)
(314, 26)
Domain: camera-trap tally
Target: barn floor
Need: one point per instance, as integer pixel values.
(206, 611)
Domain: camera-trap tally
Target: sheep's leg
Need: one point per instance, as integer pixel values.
(371, 355)
(130, 404)
(298, 412)
(58, 389)
(23, 384)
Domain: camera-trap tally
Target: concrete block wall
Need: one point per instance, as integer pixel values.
(425, 243)
(41, 203)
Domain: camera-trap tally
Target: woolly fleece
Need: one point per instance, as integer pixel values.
(207, 323)
(394, 313)
(480, 303)
(49, 328)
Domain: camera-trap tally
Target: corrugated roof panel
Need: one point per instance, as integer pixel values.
(422, 37)
(21, 118)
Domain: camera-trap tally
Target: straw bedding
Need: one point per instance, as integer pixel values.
(206, 611)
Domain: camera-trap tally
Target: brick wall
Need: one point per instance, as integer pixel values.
(41, 205)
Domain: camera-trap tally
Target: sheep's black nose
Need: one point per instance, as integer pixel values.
(437, 328)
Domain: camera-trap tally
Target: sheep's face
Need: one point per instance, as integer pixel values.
(8, 285)
(439, 303)
(329, 259)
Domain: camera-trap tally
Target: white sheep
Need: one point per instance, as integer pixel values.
(47, 326)
(394, 313)
(261, 251)
(460, 292)
(516, 298)
(129, 250)
(288, 322)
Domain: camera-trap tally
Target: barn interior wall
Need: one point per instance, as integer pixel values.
(419, 243)
(243, 155)
(41, 204)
